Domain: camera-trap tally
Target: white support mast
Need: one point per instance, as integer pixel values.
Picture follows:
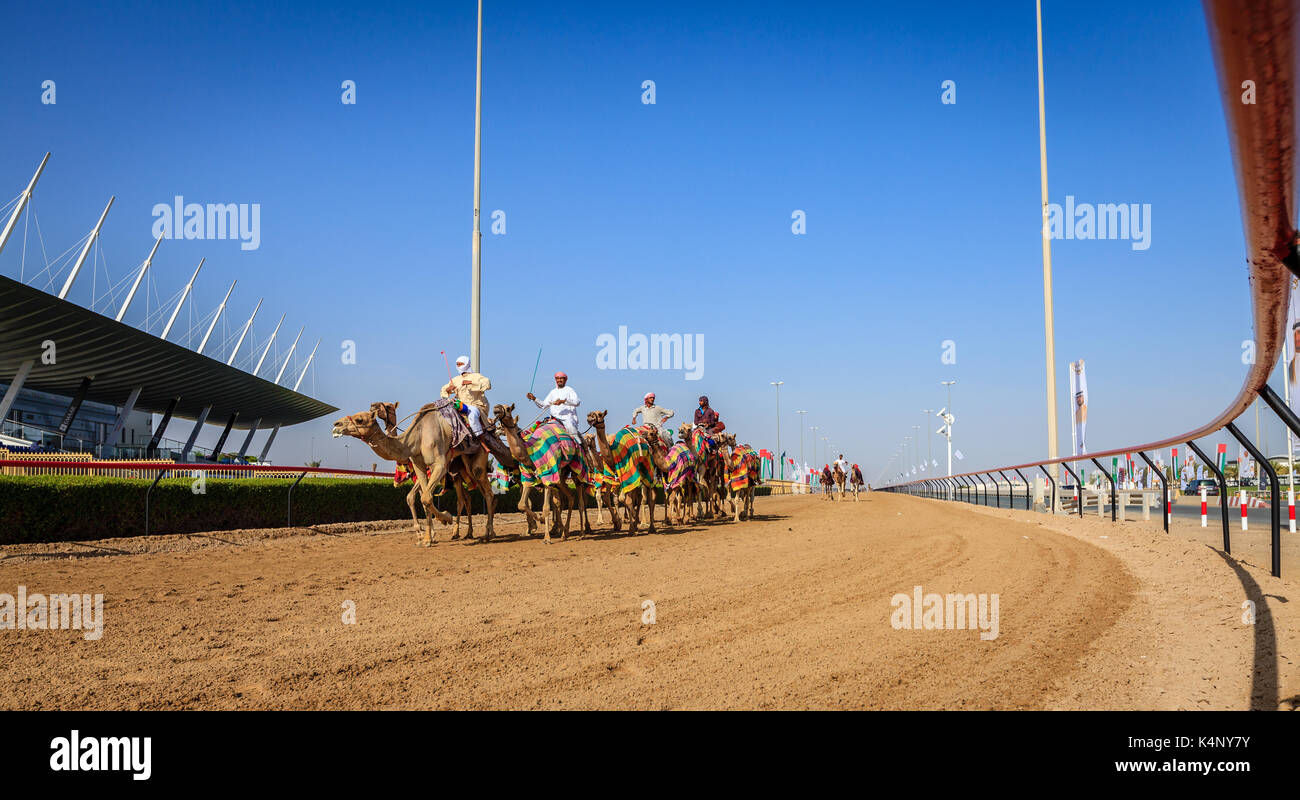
(184, 295)
(85, 251)
(289, 355)
(298, 382)
(269, 342)
(138, 278)
(22, 203)
(220, 308)
(244, 333)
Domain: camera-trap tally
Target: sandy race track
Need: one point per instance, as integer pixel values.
(792, 610)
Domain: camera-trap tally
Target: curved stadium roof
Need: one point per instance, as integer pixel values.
(121, 358)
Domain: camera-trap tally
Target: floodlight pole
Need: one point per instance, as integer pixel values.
(85, 251)
(184, 294)
(1048, 323)
(22, 203)
(138, 278)
(476, 245)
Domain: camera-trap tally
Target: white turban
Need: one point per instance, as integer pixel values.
(462, 364)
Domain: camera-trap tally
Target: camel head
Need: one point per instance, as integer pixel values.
(727, 439)
(596, 419)
(684, 431)
(505, 415)
(387, 412)
(359, 425)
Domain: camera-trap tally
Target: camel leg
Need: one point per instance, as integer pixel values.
(649, 490)
(463, 502)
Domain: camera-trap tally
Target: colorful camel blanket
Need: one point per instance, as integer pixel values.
(551, 448)
(632, 463)
(857, 475)
(742, 468)
(462, 441)
(681, 467)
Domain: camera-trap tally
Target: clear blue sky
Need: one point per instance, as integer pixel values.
(922, 218)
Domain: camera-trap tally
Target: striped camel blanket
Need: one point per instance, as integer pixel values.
(681, 467)
(551, 447)
(742, 469)
(632, 463)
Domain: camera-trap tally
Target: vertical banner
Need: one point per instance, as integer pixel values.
(1223, 457)
(1078, 406)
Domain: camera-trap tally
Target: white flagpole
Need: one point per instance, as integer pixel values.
(476, 246)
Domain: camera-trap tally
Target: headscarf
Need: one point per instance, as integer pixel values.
(462, 364)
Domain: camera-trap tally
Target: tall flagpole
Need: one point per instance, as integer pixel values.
(476, 282)
(1048, 324)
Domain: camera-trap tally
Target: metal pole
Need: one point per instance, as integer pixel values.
(1223, 491)
(1272, 475)
(1164, 495)
(1110, 478)
(476, 244)
(1048, 323)
(777, 384)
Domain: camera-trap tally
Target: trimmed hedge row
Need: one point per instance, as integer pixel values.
(54, 508)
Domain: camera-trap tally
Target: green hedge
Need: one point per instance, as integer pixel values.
(66, 508)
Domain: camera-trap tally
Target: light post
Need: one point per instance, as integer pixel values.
(917, 428)
(929, 437)
(777, 384)
(813, 430)
(1049, 332)
(801, 421)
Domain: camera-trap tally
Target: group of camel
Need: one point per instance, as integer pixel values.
(835, 479)
(699, 474)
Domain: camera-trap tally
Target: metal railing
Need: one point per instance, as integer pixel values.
(1252, 40)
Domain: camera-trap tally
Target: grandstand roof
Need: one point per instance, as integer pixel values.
(121, 358)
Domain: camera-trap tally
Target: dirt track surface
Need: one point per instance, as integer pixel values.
(791, 610)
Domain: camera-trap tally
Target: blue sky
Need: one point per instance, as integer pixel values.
(922, 218)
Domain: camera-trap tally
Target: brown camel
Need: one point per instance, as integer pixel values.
(839, 478)
(710, 479)
(631, 499)
(601, 486)
(856, 482)
(741, 475)
(675, 463)
(426, 446)
(556, 497)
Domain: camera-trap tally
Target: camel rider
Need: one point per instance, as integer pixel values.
(562, 402)
(843, 465)
(655, 415)
(857, 475)
(469, 390)
(707, 418)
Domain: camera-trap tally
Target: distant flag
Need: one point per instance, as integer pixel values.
(934, 463)
(1223, 456)
(958, 454)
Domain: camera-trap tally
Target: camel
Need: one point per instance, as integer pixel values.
(637, 469)
(856, 482)
(603, 481)
(741, 475)
(677, 467)
(710, 478)
(838, 476)
(553, 492)
(828, 483)
(427, 446)
(387, 413)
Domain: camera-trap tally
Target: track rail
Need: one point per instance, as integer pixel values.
(1252, 40)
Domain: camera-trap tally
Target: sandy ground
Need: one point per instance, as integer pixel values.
(792, 610)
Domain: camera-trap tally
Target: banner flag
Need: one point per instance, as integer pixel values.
(1078, 406)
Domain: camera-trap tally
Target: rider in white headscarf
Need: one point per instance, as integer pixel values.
(470, 389)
